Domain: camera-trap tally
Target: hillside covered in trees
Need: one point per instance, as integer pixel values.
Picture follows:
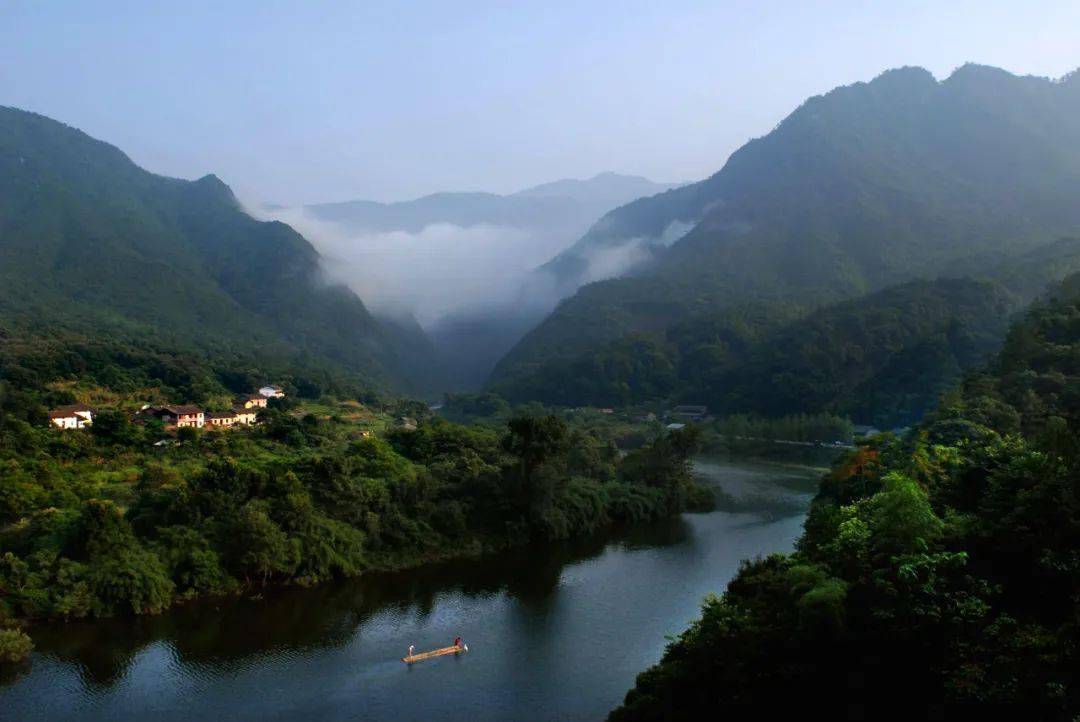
(883, 358)
(936, 572)
(871, 185)
(94, 248)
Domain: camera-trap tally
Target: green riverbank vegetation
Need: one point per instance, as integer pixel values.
(938, 575)
(102, 521)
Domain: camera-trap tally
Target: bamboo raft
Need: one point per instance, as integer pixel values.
(410, 658)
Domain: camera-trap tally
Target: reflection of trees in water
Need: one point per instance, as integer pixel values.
(12, 673)
(222, 634)
(769, 490)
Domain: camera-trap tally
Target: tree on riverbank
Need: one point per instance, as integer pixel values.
(15, 646)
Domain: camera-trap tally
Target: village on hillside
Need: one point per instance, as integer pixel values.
(243, 413)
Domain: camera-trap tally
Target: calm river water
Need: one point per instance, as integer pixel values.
(555, 633)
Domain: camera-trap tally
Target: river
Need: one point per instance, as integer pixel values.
(554, 633)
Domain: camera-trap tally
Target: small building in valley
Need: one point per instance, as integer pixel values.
(272, 392)
(75, 416)
(690, 412)
(252, 401)
(245, 417)
(183, 416)
(221, 419)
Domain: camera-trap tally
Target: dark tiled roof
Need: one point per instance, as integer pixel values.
(183, 410)
(61, 412)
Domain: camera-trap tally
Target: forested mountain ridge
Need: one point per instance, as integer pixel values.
(937, 573)
(95, 246)
(881, 359)
(869, 185)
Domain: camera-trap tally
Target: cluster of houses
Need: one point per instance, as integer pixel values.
(79, 416)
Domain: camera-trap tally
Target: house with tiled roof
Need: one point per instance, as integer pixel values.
(183, 416)
(221, 419)
(245, 417)
(252, 401)
(73, 416)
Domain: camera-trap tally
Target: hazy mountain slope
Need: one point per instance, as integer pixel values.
(91, 242)
(459, 209)
(465, 261)
(869, 185)
(559, 207)
(604, 190)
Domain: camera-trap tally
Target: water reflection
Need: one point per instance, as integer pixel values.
(221, 634)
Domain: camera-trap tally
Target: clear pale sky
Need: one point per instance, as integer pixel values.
(308, 101)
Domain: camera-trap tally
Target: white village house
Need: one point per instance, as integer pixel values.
(245, 417)
(75, 416)
(252, 401)
(272, 392)
(223, 419)
(181, 416)
(177, 416)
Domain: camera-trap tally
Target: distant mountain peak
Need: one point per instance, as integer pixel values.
(211, 179)
(974, 74)
(905, 73)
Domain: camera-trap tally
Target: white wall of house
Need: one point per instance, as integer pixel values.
(76, 421)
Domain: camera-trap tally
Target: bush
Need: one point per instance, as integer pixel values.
(15, 646)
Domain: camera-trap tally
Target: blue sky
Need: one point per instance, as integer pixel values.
(306, 101)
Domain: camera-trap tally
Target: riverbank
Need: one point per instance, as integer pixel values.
(535, 618)
(305, 501)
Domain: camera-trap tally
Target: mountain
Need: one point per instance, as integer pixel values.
(478, 291)
(870, 185)
(562, 207)
(604, 190)
(94, 246)
(883, 358)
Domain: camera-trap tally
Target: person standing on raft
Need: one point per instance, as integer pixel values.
(457, 641)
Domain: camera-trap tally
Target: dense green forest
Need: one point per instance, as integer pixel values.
(93, 246)
(882, 359)
(105, 521)
(865, 187)
(937, 572)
